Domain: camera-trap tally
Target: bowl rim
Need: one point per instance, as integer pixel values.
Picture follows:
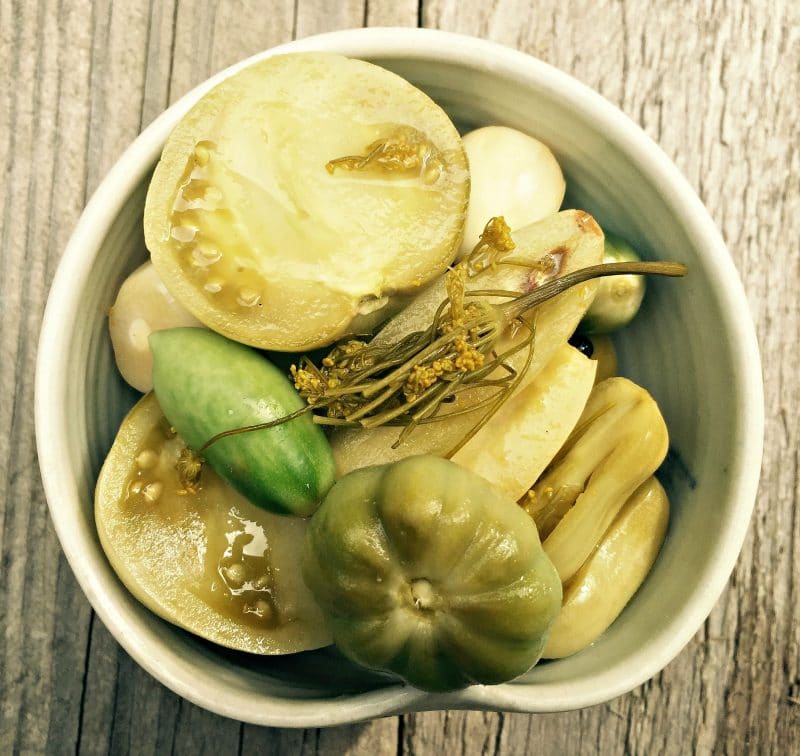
(440, 47)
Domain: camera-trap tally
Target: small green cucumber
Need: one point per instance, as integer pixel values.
(618, 298)
(207, 384)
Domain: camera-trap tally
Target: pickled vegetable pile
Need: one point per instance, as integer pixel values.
(381, 404)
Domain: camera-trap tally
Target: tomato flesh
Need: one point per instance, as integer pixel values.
(206, 560)
(303, 193)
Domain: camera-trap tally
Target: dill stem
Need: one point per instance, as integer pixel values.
(503, 395)
(257, 426)
(446, 339)
(552, 288)
(481, 332)
(376, 402)
(429, 393)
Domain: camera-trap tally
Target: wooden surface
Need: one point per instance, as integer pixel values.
(715, 82)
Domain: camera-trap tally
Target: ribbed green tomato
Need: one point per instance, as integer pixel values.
(423, 569)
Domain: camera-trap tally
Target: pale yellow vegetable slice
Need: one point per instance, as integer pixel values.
(619, 442)
(206, 560)
(515, 446)
(599, 348)
(557, 245)
(608, 579)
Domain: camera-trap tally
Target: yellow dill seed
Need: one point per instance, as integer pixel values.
(189, 468)
(467, 356)
(305, 381)
(405, 149)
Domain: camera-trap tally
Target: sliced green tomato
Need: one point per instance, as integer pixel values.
(209, 562)
(618, 297)
(605, 583)
(263, 239)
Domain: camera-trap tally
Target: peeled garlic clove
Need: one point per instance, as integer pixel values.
(511, 174)
(606, 582)
(618, 443)
(143, 305)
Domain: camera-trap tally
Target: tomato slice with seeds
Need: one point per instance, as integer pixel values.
(301, 195)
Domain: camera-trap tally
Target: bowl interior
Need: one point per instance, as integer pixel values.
(687, 347)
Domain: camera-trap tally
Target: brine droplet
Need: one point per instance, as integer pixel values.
(183, 234)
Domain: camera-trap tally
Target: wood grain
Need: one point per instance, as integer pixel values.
(715, 82)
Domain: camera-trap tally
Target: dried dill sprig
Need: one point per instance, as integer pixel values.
(494, 243)
(369, 384)
(189, 467)
(404, 150)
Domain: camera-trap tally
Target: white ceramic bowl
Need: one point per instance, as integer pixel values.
(693, 346)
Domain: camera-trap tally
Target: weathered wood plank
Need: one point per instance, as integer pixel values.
(390, 13)
(317, 16)
(704, 95)
(375, 738)
(41, 197)
(469, 733)
(186, 43)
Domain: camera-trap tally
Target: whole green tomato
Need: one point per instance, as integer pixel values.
(424, 569)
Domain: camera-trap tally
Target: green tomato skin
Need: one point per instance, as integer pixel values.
(207, 384)
(618, 298)
(425, 570)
